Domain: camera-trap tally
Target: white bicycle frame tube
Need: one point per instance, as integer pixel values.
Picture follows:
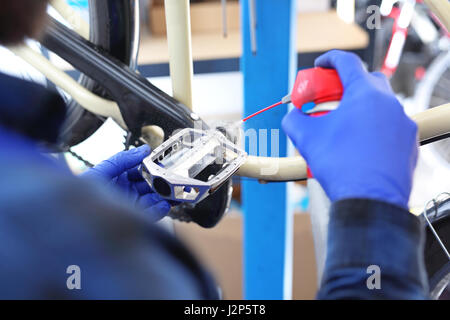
(72, 17)
(319, 210)
(178, 24)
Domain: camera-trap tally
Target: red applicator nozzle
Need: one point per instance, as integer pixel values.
(316, 85)
(262, 110)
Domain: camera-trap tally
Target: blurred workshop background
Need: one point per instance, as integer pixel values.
(218, 95)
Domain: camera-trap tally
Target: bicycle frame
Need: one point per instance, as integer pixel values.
(126, 86)
(403, 17)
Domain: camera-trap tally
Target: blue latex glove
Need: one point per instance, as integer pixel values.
(368, 147)
(122, 171)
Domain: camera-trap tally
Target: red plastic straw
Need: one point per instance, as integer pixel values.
(262, 110)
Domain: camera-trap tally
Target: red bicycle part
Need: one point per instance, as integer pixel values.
(396, 44)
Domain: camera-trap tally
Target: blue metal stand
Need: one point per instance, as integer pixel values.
(267, 78)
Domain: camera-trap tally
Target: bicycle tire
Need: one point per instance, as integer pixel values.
(113, 28)
(436, 261)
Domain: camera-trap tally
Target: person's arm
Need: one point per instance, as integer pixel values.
(364, 154)
(375, 251)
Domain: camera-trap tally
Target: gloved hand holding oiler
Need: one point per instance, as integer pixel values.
(348, 165)
(358, 163)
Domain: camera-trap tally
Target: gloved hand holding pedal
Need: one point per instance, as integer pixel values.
(121, 171)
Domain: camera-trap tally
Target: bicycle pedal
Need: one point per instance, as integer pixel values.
(191, 165)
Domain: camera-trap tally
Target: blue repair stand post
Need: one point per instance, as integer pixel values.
(268, 76)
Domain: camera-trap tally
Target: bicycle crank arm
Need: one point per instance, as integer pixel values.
(141, 104)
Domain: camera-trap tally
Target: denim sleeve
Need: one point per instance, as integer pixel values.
(375, 251)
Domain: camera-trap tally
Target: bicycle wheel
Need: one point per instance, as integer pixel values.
(436, 261)
(114, 27)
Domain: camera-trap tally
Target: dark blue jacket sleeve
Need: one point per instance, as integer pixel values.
(375, 251)
(50, 221)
